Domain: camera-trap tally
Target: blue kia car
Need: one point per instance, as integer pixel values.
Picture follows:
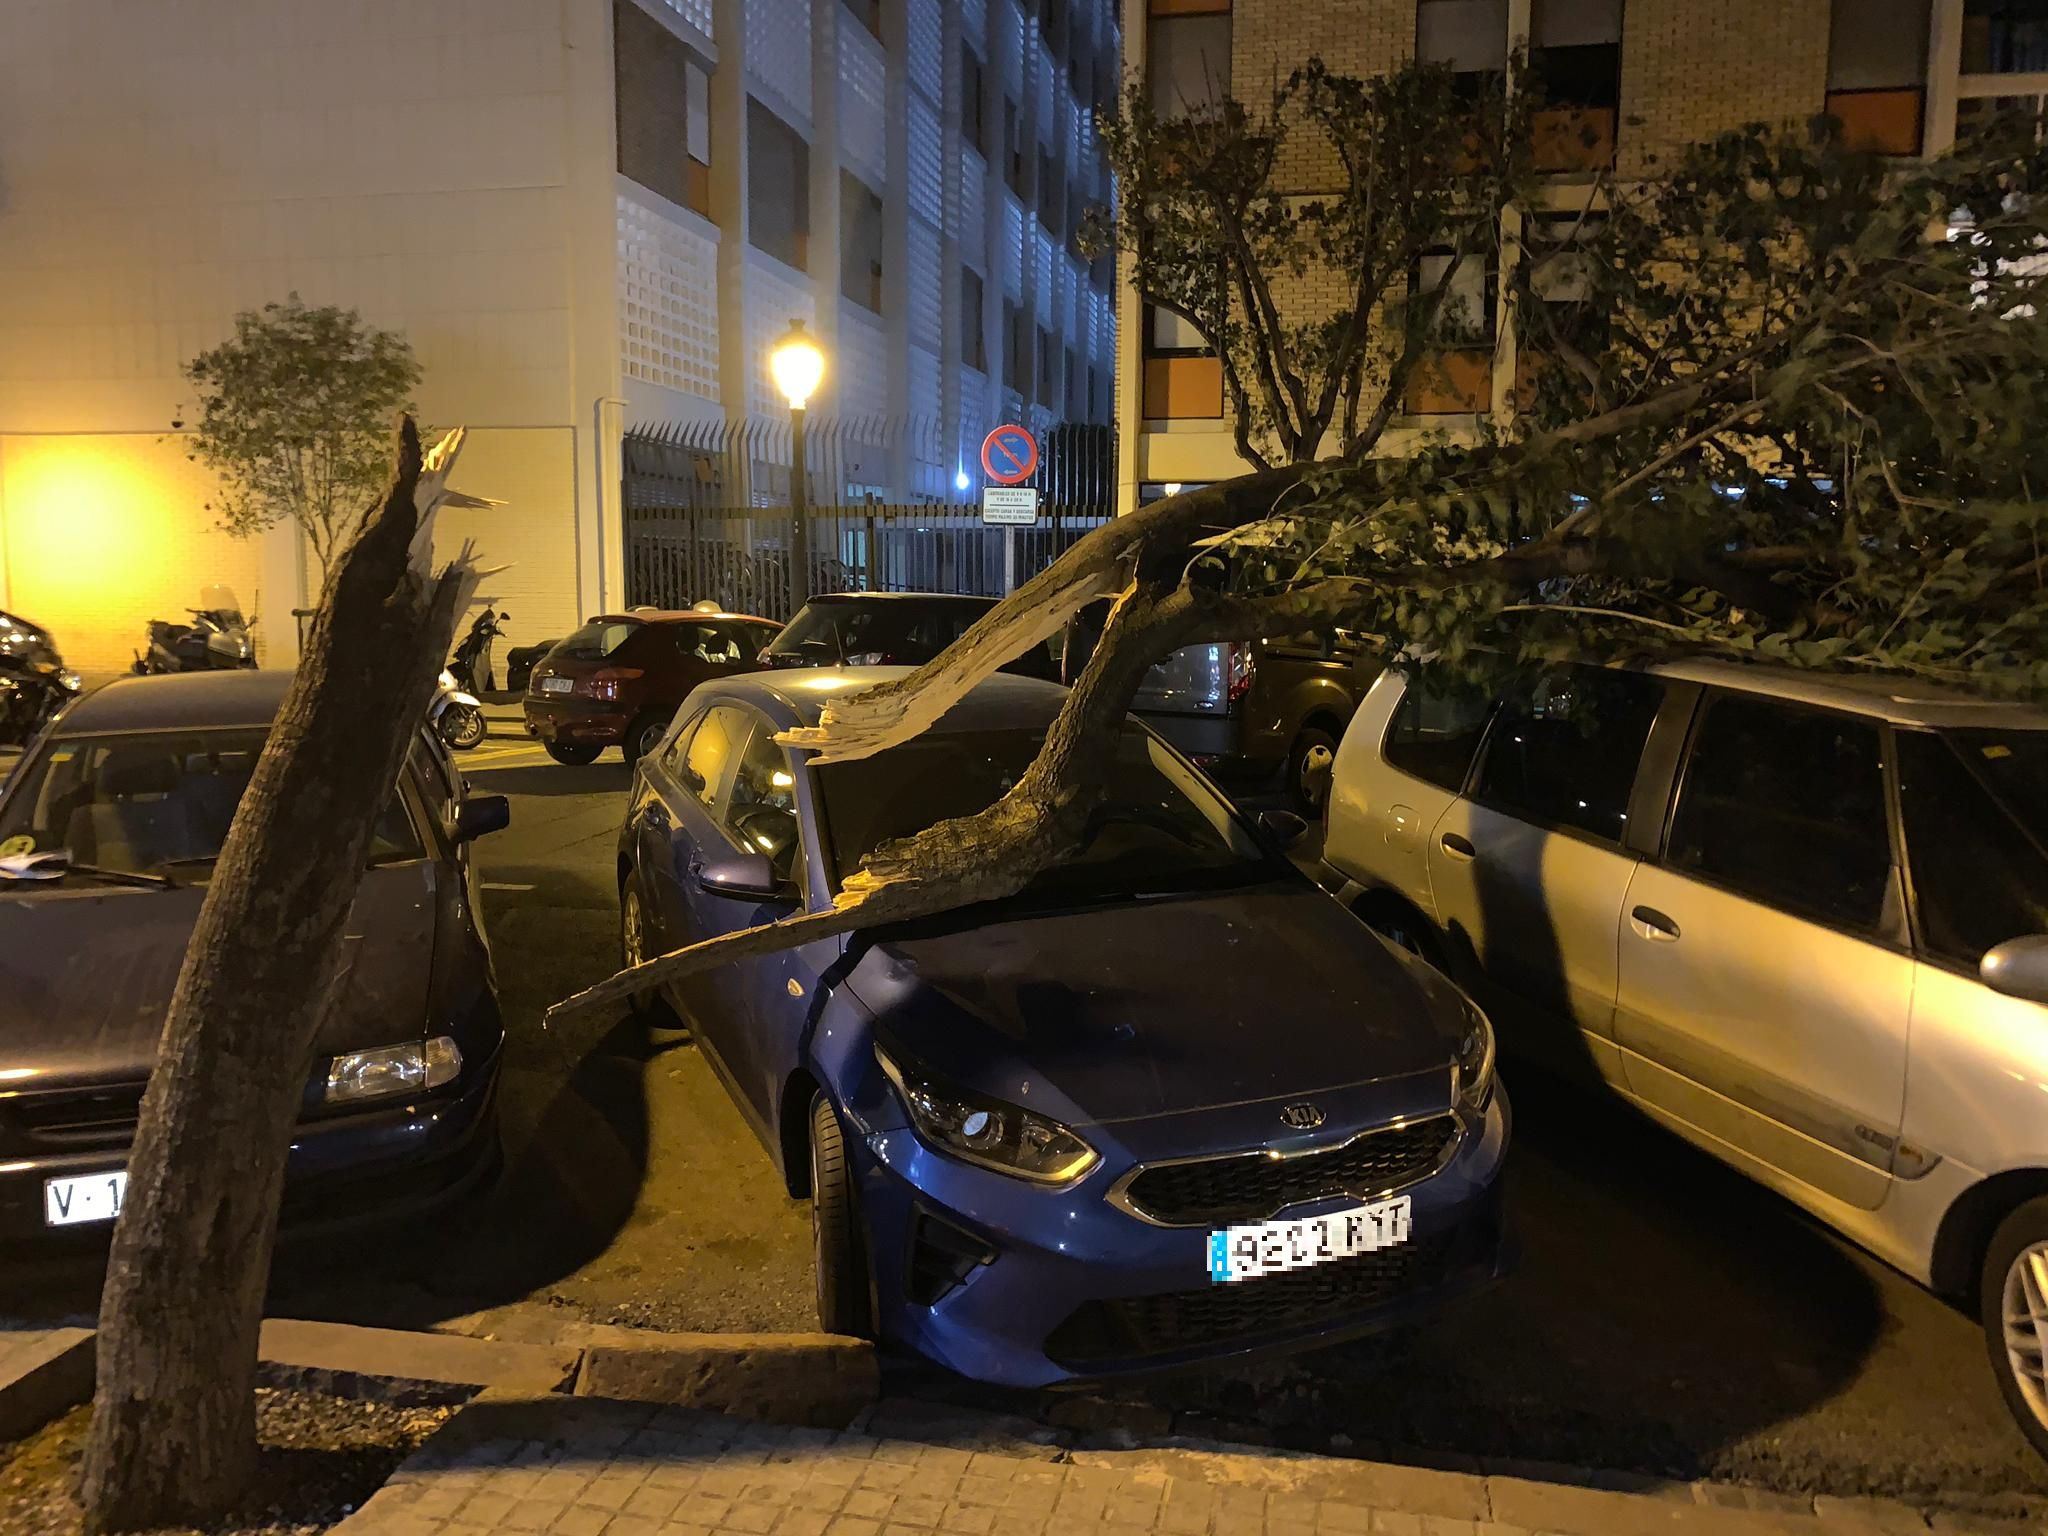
(1169, 1104)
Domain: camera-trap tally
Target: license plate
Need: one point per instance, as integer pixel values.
(90, 1197)
(557, 684)
(1269, 1247)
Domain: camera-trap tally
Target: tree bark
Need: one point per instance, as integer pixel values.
(173, 1436)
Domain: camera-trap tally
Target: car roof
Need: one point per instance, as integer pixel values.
(904, 597)
(1002, 702)
(182, 701)
(1901, 700)
(677, 616)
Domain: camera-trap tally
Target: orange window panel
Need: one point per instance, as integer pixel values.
(1451, 382)
(1571, 138)
(1880, 122)
(1183, 387)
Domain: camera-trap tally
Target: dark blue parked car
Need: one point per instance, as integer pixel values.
(1169, 1104)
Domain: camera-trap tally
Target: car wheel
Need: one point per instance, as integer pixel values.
(1405, 928)
(836, 1245)
(572, 755)
(2013, 1303)
(1309, 762)
(634, 946)
(643, 736)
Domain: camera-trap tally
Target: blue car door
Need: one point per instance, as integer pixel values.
(758, 815)
(689, 781)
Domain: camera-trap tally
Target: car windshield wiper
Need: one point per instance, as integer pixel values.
(56, 863)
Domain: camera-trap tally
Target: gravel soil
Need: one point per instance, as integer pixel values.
(320, 1458)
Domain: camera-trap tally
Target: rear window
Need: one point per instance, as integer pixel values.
(886, 632)
(599, 638)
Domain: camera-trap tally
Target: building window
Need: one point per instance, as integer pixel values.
(860, 242)
(1183, 377)
(1016, 350)
(1187, 55)
(2004, 37)
(1098, 394)
(1072, 400)
(1048, 368)
(1571, 310)
(664, 116)
(1013, 147)
(1049, 198)
(1575, 58)
(972, 103)
(778, 188)
(1877, 73)
(973, 342)
(868, 13)
(1455, 376)
(1470, 37)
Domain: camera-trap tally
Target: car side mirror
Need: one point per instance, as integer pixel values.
(1282, 828)
(742, 876)
(478, 816)
(2018, 968)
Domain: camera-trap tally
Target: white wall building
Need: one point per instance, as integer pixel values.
(585, 215)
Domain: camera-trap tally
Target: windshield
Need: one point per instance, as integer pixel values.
(2014, 766)
(598, 639)
(891, 632)
(1159, 827)
(216, 597)
(144, 802)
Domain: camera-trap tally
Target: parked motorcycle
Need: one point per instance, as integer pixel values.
(34, 682)
(472, 662)
(217, 638)
(457, 715)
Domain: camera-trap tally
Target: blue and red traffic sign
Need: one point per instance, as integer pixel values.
(1009, 455)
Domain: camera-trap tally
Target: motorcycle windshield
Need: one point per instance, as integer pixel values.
(218, 597)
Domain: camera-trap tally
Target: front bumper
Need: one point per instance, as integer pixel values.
(379, 1164)
(1075, 1289)
(556, 719)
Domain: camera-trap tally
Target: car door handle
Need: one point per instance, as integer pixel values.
(1652, 924)
(1458, 847)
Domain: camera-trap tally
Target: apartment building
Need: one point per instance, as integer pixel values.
(1627, 82)
(589, 217)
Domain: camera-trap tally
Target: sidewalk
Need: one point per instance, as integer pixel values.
(587, 1467)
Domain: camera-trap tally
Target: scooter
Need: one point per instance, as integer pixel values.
(217, 639)
(472, 662)
(457, 715)
(34, 682)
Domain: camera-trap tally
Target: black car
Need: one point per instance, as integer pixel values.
(108, 833)
(890, 629)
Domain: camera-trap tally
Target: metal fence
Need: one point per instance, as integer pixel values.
(688, 538)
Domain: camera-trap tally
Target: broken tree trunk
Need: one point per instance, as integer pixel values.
(173, 1438)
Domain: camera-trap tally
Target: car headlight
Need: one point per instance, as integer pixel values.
(1472, 1068)
(392, 1069)
(988, 1132)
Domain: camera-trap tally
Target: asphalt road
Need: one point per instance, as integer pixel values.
(1666, 1316)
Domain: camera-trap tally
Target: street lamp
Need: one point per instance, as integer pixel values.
(797, 365)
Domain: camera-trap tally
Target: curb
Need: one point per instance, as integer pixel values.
(48, 1375)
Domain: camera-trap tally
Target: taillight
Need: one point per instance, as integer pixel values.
(605, 684)
(1239, 661)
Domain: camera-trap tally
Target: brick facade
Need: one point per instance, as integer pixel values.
(1272, 38)
(1689, 71)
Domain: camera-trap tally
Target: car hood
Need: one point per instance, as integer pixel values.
(1107, 1013)
(86, 974)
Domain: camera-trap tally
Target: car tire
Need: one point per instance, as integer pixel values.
(633, 946)
(838, 1251)
(2013, 1306)
(1405, 928)
(1309, 764)
(463, 726)
(572, 755)
(643, 736)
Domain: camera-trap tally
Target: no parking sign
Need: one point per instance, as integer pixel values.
(1009, 455)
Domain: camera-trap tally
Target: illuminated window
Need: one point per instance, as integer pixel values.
(1877, 73)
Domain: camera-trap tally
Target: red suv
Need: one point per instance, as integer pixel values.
(620, 678)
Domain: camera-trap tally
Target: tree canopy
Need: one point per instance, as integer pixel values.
(295, 418)
(1785, 409)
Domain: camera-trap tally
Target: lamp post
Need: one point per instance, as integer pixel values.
(797, 365)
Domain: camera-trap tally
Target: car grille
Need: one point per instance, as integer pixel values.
(79, 1118)
(1132, 1328)
(1252, 1186)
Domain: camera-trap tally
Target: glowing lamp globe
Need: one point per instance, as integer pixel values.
(797, 365)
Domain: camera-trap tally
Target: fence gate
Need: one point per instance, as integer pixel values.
(693, 531)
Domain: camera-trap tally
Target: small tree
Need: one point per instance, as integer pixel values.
(1316, 304)
(1789, 411)
(295, 419)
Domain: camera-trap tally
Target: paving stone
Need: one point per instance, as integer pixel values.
(1885, 1515)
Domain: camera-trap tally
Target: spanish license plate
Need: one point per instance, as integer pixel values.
(1268, 1247)
(89, 1197)
(557, 684)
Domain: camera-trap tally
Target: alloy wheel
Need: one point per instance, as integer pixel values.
(632, 942)
(1316, 763)
(2025, 1317)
